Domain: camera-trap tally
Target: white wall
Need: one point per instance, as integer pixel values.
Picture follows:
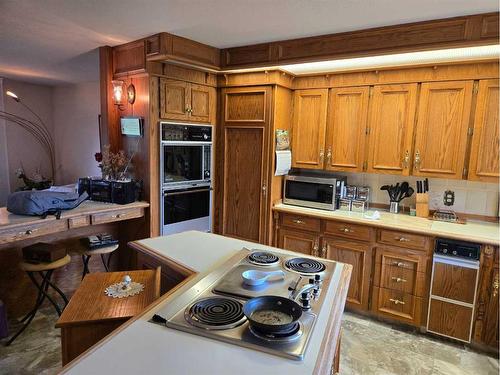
(4, 161)
(71, 114)
(76, 130)
(22, 148)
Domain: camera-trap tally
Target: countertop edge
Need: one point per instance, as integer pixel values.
(375, 223)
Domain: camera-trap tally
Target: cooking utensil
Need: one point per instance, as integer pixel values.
(402, 191)
(409, 192)
(255, 277)
(267, 305)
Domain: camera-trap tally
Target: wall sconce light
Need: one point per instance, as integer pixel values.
(131, 93)
(118, 93)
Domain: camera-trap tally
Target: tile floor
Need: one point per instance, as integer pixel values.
(368, 348)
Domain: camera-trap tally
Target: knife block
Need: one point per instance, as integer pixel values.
(422, 204)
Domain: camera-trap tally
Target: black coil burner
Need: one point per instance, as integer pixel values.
(304, 265)
(215, 313)
(263, 258)
(289, 335)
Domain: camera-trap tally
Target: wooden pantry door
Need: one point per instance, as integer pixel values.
(391, 125)
(441, 132)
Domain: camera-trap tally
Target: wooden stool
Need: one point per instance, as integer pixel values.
(45, 271)
(86, 254)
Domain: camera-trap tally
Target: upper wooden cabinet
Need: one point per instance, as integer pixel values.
(309, 125)
(346, 129)
(442, 126)
(483, 164)
(186, 101)
(391, 124)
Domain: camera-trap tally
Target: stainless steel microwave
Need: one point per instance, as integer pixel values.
(312, 191)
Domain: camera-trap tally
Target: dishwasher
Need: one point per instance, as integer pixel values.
(455, 273)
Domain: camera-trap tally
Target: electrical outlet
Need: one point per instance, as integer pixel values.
(449, 198)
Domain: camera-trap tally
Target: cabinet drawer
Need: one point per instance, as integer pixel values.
(357, 232)
(301, 222)
(402, 258)
(400, 279)
(450, 319)
(108, 217)
(34, 230)
(397, 305)
(402, 239)
(79, 221)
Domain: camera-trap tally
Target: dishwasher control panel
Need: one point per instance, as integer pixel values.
(456, 248)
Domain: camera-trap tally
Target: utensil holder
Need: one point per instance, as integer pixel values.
(394, 207)
(422, 203)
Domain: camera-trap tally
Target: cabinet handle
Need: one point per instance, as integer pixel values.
(399, 264)
(396, 301)
(329, 155)
(315, 248)
(398, 279)
(402, 239)
(496, 283)
(117, 216)
(321, 155)
(418, 160)
(346, 230)
(264, 190)
(323, 251)
(297, 221)
(406, 160)
(28, 232)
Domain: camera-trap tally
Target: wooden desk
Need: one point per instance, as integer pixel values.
(91, 314)
(20, 228)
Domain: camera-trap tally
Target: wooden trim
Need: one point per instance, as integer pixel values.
(129, 58)
(462, 31)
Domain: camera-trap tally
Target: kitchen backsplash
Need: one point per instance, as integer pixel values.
(471, 197)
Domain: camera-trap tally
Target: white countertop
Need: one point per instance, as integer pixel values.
(474, 231)
(146, 348)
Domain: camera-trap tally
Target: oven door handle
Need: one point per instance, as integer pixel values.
(167, 193)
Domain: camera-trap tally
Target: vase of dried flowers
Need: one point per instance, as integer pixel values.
(113, 165)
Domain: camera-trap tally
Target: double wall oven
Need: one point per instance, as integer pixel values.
(185, 177)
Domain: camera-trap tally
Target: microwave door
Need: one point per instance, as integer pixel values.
(310, 194)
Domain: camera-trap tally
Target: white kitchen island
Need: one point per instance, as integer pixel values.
(141, 347)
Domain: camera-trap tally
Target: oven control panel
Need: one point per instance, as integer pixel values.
(186, 133)
(458, 248)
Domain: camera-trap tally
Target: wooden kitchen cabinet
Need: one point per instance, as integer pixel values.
(359, 255)
(391, 125)
(442, 127)
(243, 147)
(346, 129)
(186, 101)
(484, 154)
(299, 241)
(309, 127)
(486, 326)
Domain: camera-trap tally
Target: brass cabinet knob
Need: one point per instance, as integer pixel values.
(346, 230)
(418, 160)
(323, 251)
(495, 286)
(396, 301)
(329, 155)
(321, 155)
(315, 248)
(406, 160)
(398, 279)
(402, 239)
(399, 264)
(297, 221)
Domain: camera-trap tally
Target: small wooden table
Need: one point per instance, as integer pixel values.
(91, 314)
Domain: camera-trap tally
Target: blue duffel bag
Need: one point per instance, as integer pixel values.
(43, 203)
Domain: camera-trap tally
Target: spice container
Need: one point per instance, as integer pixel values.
(350, 192)
(345, 204)
(359, 206)
(363, 193)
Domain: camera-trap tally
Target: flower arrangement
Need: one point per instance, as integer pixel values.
(113, 165)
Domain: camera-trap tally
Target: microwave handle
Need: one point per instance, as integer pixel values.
(166, 193)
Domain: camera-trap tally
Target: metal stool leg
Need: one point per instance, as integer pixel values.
(32, 313)
(85, 259)
(60, 292)
(104, 263)
(46, 278)
(109, 259)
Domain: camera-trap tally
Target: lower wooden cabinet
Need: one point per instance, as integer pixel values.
(397, 305)
(359, 255)
(171, 274)
(301, 242)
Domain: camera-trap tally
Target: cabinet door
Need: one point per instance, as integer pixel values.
(301, 242)
(201, 102)
(485, 140)
(174, 99)
(391, 125)
(359, 256)
(309, 124)
(346, 129)
(491, 325)
(441, 133)
(245, 162)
